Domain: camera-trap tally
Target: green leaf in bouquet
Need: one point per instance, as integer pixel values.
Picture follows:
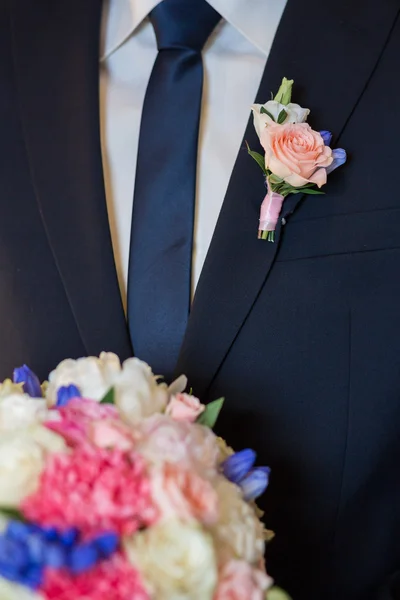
(258, 158)
(109, 398)
(11, 513)
(282, 116)
(274, 179)
(276, 593)
(264, 111)
(209, 416)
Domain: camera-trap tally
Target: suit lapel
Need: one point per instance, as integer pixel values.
(331, 57)
(56, 59)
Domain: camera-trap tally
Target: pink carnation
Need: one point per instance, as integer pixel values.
(93, 489)
(180, 493)
(183, 407)
(241, 581)
(114, 579)
(83, 421)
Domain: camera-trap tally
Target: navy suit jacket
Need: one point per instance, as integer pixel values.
(302, 336)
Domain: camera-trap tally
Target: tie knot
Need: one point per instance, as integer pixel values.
(183, 23)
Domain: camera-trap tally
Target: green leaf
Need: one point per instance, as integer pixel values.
(287, 189)
(306, 190)
(11, 513)
(276, 593)
(258, 158)
(264, 111)
(109, 398)
(282, 116)
(274, 179)
(209, 416)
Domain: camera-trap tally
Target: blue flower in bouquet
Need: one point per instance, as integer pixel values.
(30, 381)
(26, 550)
(66, 393)
(238, 468)
(255, 483)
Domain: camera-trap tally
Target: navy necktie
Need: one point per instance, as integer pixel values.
(159, 281)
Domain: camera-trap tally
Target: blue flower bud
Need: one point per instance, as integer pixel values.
(106, 544)
(327, 137)
(265, 470)
(9, 571)
(65, 393)
(69, 536)
(13, 553)
(83, 557)
(237, 466)
(50, 533)
(31, 383)
(339, 158)
(27, 549)
(255, 483)
(55, 556)
(17, 530)
(36, 547)
(32, 577)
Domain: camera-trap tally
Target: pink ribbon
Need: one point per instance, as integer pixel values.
(270, 211)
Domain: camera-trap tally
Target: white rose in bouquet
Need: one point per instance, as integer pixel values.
(93, 376)
(22, 457)
(177, 560)
(138, 394)
(239, 533)
(20, 410)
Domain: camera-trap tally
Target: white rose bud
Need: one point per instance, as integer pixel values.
(177, 560)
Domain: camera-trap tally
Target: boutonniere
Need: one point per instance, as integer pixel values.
(297, 158)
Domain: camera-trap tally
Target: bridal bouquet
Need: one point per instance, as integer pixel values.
(113, 486)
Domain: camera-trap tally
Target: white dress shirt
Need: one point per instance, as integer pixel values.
(234, 60)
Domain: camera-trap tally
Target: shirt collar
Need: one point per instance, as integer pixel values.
(257, 20)
(119, 20)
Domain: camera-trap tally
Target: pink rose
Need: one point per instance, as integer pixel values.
(181, 493)
(178, 442)
(183, 407)
(240, 581)
(296, 153)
